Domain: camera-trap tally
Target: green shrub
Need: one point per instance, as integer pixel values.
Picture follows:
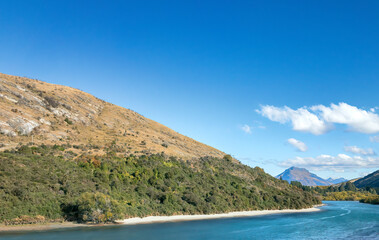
(68, 121)
(44, 181)
(370, 199)
(98, 208)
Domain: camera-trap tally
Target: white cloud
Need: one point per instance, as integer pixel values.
(320, 119)
(247, 129)
(337, 163)
(357, 119)
(301, 119)
(299, 145)
(374, 139)
(360, 151)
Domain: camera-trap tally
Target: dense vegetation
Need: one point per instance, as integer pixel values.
(370, 199)
(342, 192)
(45, 182)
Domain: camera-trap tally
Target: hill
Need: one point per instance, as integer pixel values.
(67, 155)
(306, 178)
(42, 183)
(43, 113)
(336, 181)
(371, 180)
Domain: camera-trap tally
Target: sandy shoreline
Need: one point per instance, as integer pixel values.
(39, 227)
(154, 219)
(175, 218)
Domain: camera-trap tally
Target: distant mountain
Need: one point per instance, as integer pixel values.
(371, 180)
(304, 176)
(307, 178)
(336, 181)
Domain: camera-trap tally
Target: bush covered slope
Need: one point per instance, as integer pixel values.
(345, 191)
(371, 181)
(44, 181)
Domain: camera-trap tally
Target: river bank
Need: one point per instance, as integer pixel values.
(175, 218)
(152, 219)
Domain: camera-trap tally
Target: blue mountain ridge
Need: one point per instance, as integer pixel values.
(307, 178)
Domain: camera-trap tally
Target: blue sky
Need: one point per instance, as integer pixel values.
(208, 68)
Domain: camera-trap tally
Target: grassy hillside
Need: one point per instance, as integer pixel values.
(44, 183)
(67, 155)
(32, 110)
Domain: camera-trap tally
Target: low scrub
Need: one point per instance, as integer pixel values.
(39, 181)
(25, 219)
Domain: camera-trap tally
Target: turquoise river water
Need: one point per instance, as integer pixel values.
(336, 220)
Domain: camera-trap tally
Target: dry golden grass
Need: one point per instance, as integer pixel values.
(67, 115)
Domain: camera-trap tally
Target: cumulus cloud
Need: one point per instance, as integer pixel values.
(299, 145)
(301, 119)
(337, 163)
(357, 119)
(319, 119)
(360, 151)
(246, 128)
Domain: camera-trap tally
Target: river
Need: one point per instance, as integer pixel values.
(337, 220)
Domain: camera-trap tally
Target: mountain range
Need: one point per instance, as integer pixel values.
(307, 178)
(336, 181)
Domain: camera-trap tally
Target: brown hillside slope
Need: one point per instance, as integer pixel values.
(33, 110)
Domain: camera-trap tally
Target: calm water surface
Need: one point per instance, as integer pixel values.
(337, 220)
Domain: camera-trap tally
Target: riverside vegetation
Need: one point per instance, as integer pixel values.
(346, 191)
(50, 183)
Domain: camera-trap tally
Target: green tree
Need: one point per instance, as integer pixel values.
(296, 184)
(98, 208)
(350, 187)
(228, 157)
